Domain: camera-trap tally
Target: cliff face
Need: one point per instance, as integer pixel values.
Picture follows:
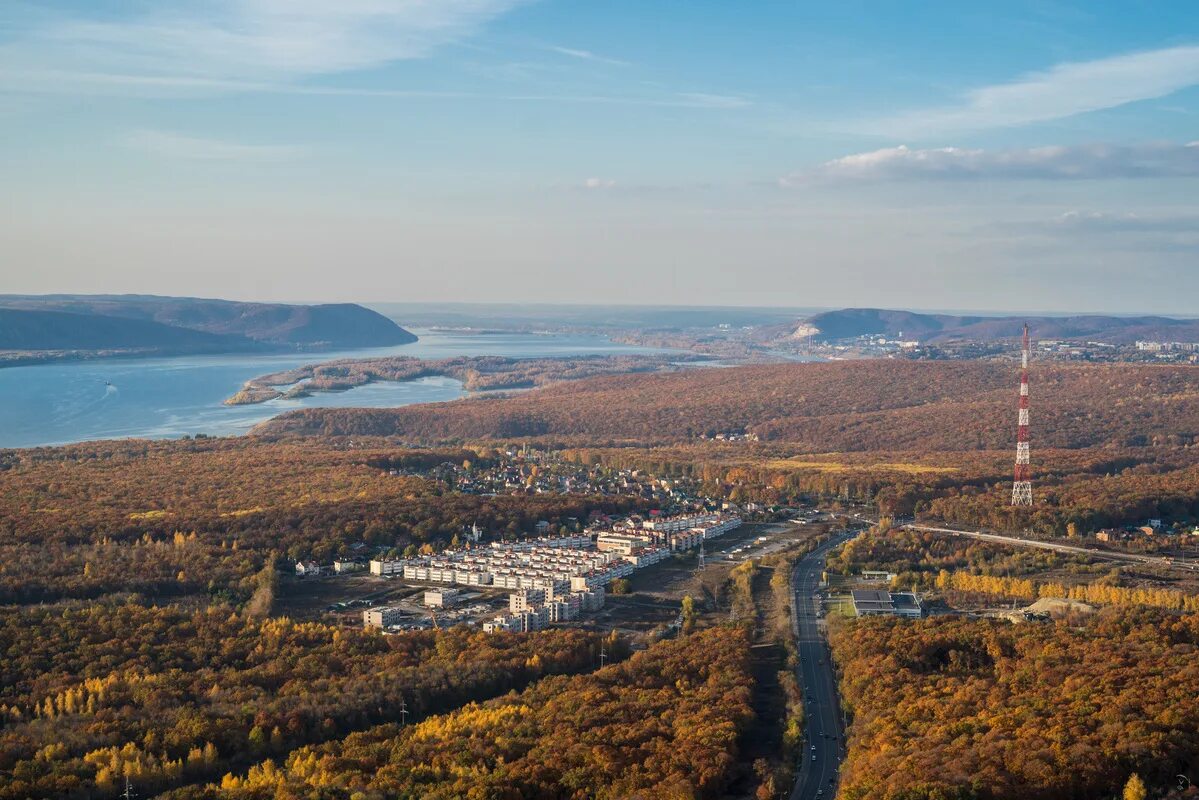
(92, 322)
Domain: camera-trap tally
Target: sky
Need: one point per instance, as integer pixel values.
(1013, 155)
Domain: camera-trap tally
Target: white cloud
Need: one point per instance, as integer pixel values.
(244, 40)
(598, 183)
(1061, 91)
(586, 55)
(168, 144)
(1074, 162)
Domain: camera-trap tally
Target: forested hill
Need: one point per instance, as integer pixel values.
(60, 330)
(835, 406)
(92, 322)
(849, 323)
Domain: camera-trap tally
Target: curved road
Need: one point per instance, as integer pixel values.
(825, 741)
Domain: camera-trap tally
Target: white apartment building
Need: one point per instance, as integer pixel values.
(526, 600)
(391, 566)
(442, 598)
(382, 617)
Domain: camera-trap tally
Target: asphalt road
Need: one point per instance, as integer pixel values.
(1176, 563)
(1105, 555)
(825, 743)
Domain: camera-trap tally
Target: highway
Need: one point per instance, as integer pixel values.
(822, 711)
(1106, 555)
(1189, 564)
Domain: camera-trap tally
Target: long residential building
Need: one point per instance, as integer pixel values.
(561, 564)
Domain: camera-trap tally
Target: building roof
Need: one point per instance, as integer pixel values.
(906, 602)
(872, 600)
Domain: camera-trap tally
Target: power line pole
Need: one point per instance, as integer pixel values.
(1022, 482)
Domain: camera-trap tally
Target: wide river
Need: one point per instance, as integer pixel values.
(75, 401)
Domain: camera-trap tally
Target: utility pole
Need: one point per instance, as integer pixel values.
(128, 794)
(603, 656)
(403, 711)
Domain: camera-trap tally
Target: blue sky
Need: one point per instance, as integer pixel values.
(1038, 155)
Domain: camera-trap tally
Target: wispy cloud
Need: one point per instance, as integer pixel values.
(598, 183)
(1130, 222)
(59, 82)
(1062, 91)
(1108, 231)
(707, 100)
(1076, 162)
(168, 144)
(586, 55)
(246, 40)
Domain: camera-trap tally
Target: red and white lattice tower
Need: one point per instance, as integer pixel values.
(1022, 485)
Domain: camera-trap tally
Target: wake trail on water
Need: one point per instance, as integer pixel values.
(89, 406)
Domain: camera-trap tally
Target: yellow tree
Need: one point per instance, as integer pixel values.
(1135, 788)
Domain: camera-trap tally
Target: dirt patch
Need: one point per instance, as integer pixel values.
(1059, 607)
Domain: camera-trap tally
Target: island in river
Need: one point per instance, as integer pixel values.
(476, 373)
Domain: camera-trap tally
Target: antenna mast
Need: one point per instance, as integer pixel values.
(1022, 483)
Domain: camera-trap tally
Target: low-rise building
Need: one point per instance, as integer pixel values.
(344, 566)
(389, 566)
(620, 543)
(877, 575)
(442, 598)
(382, 617)
(872, 602)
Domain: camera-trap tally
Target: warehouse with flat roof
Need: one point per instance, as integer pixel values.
(873, 602)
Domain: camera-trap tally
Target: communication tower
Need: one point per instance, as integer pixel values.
(1022, 483)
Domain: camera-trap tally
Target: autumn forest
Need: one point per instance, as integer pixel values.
(152, 628)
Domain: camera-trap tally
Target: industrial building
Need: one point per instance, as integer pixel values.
(872, 602)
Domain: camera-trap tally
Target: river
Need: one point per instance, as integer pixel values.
(58, 403)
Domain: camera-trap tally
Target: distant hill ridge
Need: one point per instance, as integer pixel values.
(852, 322)
(185, 324)
(22, 329)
